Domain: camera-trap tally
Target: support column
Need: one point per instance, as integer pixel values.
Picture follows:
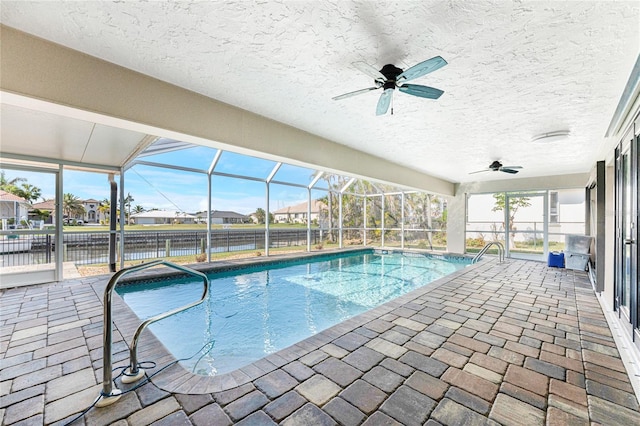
(364, 239)
(309, 220)
(382, 221)
(402, 223)
(122, 221)
(59, 235)
(340, 220)
(113, 200)
(209, 189)
(456, 223)
(266, 223)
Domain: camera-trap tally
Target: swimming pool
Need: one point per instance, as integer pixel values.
(258, 310)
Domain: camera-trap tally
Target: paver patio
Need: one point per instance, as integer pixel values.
(512, 343)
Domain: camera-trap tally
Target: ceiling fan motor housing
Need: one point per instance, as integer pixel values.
(495, 166)
(391, 72)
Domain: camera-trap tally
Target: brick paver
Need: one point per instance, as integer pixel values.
(511, 343)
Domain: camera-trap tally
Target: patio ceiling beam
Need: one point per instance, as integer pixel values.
(273, 172)
(54, 162)
(167, 166)
(348, 184)
(316, 178)
(231, 175)
(214, 162)
(162, 146)
(297, 185)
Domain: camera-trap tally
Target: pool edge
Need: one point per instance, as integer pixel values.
(180, 380)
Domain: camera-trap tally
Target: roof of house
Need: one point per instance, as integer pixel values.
(7, 196)
(316, 206)
(222, 214)
(163, 214)
(227, 213)
(45, 205)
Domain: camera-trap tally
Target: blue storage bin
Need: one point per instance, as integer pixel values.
(556, 260)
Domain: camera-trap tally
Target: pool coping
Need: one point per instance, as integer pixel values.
(180, 380)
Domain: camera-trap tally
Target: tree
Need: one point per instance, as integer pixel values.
(10, 185)
(25, 190)
(40, 214)
(72, 205)
(260, 215)
(127, 203)
(28, 192)
(515, 203)
(105, 209)
(138, 209)
(421, 204)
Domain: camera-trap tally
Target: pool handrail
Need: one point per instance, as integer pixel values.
(486, 247)
(108, 394)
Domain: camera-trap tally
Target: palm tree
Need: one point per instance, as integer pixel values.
(9, 185)
(138, 209)
(260, 215)
(40, 214)
(127, 203)
(29, 192)
(105, 209)
(72, 205)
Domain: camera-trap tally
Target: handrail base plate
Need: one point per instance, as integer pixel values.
(127, 377)
(106, 400)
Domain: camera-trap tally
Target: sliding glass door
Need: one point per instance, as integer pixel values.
(526, 215)
(627, 299)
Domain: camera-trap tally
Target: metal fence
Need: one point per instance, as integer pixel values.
(92, 247)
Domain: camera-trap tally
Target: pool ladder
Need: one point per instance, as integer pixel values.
(486, 247)
(133, 373)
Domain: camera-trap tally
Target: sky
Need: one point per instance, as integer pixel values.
(168, 189)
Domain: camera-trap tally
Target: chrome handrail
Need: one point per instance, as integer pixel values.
(486, 247)
(108, 394)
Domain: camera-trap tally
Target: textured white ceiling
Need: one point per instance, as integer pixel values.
(516, 69)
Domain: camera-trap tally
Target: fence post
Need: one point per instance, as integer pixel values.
(48, 248)
(167, 247)
(202, 245)
(157, 245)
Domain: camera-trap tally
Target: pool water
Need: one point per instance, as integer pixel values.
(253, 312)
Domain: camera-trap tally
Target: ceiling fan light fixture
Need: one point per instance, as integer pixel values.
(548, 137)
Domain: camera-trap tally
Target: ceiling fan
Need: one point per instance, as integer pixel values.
(497, 166)
(390, 77)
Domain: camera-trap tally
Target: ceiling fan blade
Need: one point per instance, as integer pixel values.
(422, 91)
(357, 92)
(370, 71)
(424, 67)
(384, 101)
(511, 167)
(507, 170)
(479, 171)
